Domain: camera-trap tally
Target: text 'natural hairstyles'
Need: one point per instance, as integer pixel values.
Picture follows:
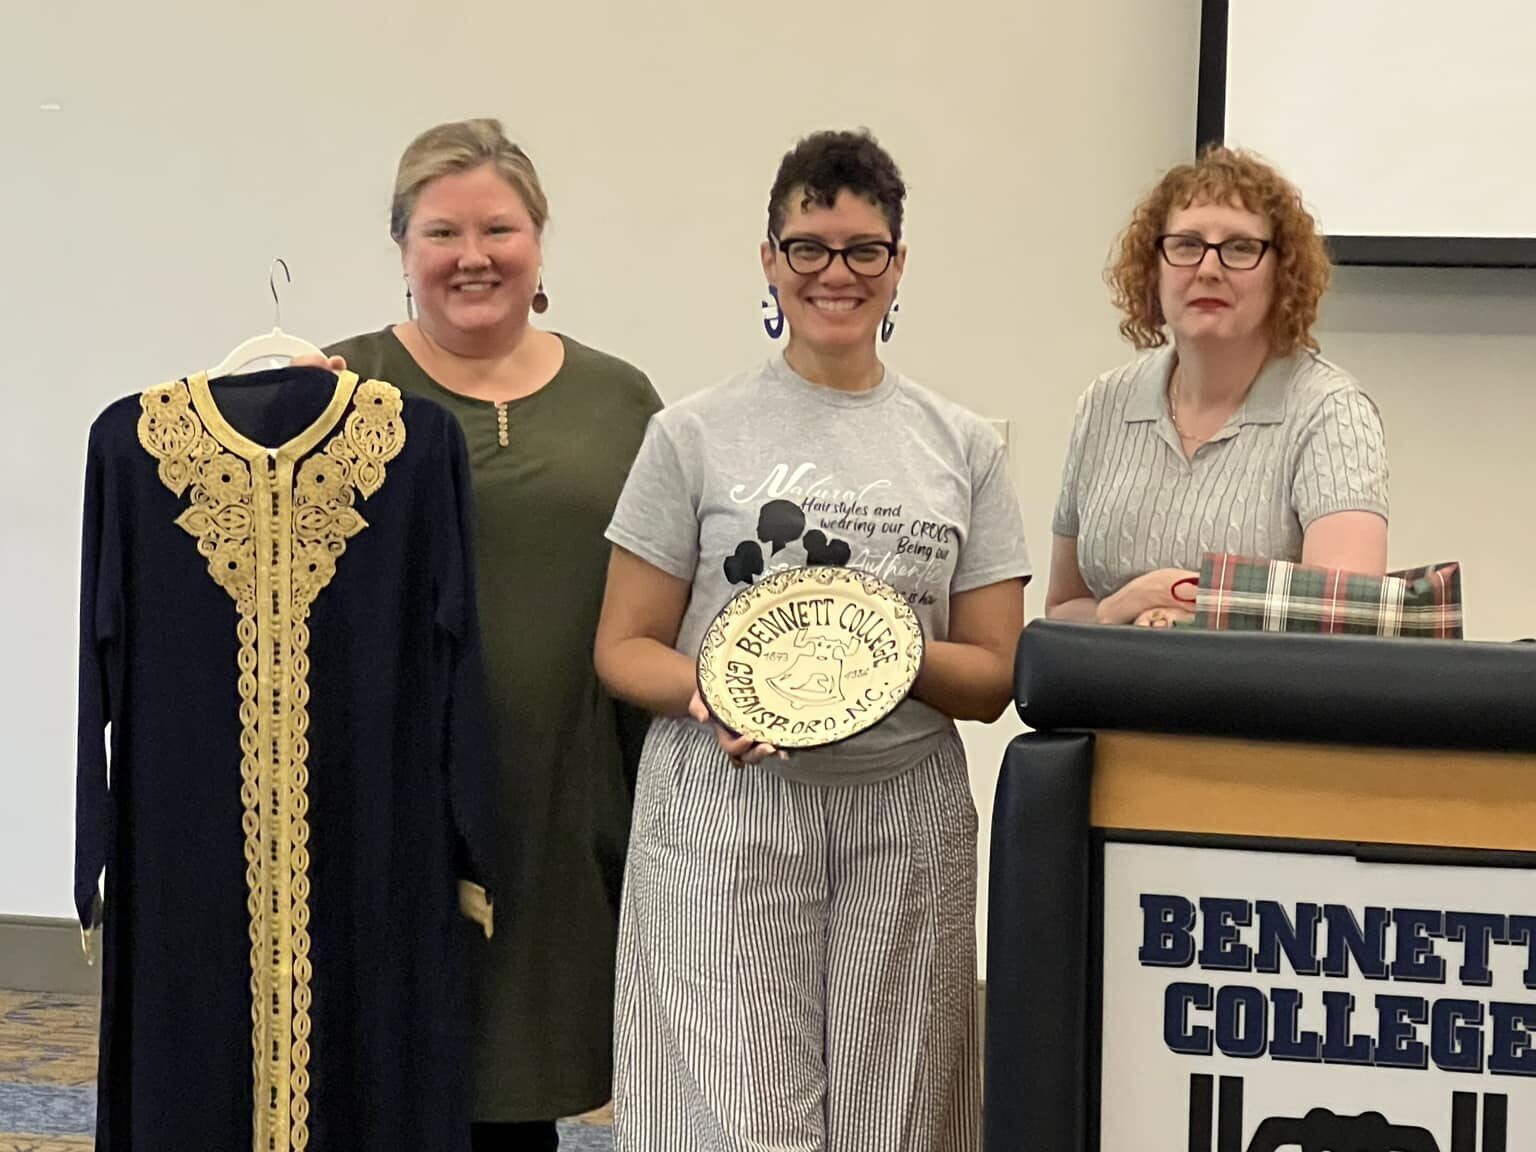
(461, 146)
(825, 163)
(1221, 176)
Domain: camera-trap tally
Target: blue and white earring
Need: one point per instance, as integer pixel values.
(773, 315)
(888, 323)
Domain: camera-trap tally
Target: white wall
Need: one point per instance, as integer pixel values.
(1450, 356)
(193, 145)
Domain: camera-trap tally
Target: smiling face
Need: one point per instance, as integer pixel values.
(1210, 302)
(471, 253)
(835, 309)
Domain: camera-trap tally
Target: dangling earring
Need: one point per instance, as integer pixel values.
(540, 299)
(410, 303)
(773, 315)
(888, 324)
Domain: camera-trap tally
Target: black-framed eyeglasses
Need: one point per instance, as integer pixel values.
(1238, 253)
(868, 258)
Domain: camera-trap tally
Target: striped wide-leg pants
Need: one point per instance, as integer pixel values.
(796, 963)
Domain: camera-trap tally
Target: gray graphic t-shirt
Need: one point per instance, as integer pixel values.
(769, 471)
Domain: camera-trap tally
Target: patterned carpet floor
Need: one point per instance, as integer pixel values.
(48, 1078)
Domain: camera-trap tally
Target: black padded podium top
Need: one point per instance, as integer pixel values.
(1277, 686)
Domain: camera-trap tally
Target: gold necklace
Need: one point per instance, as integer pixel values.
(1173, 413)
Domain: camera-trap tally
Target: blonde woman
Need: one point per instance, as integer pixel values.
(552, 427)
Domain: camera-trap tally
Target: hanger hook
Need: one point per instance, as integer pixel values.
(277, 305)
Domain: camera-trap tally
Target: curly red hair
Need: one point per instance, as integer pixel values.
(1221, 175)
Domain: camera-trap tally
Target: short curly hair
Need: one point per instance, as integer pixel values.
(824, 163)
(1221, 175)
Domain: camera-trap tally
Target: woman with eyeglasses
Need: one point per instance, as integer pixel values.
(1229, 433)
(797, 941)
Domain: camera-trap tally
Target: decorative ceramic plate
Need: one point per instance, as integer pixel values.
(809, 656)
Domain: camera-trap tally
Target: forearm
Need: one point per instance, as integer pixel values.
(648, 674)
(1153, 590)
(1121, 608)
(1083, 610)
(965, 681)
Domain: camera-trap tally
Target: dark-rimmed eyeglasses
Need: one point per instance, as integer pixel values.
(1238, 253)
(868, 258)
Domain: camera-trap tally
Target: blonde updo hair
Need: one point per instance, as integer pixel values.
(460, 146)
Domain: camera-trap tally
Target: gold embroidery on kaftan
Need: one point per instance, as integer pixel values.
(272, 540)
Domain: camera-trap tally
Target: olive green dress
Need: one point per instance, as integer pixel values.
(547, 470)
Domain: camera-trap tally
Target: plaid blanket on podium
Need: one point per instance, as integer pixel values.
(1243, 594)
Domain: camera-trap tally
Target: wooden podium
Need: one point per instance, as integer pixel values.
(1253, 893)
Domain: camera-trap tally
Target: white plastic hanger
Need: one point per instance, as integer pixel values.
(275, 344)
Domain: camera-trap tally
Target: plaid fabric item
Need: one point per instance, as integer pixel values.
(1242, 594)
